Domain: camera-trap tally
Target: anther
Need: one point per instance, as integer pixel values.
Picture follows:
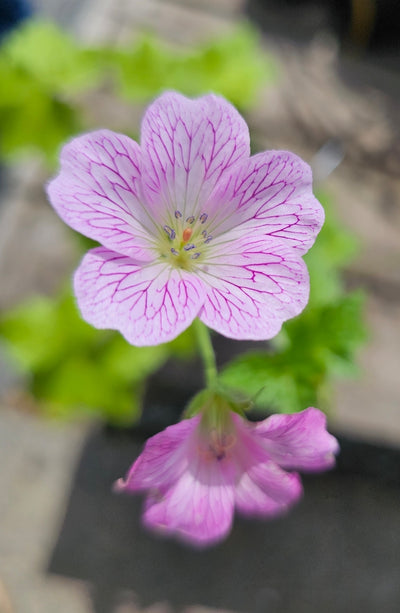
(178, 214)
(203, 218)
(174, 251)
(195, 256)
(171, 233)
(204, 233)
(189, 247)
(190, 219)
(208, 239)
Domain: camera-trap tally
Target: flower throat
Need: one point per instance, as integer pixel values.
(185, 240)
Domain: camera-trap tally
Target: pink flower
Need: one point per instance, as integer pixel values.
(190, 225)
(195, 477)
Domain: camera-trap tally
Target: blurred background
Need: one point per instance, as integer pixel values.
(319, 78)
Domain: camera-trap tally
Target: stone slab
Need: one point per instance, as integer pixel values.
(36, 250)
(37, 460)
(180, 24)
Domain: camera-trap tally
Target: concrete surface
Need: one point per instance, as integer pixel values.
(37, 461)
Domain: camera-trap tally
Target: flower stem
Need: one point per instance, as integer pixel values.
(207, 352)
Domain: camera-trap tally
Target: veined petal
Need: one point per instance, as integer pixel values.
(299, 441)
(271, 194)
(253, 285)
(263, 488)
(163, 460)
(98, 193)
(199, 508)
(149, 304)
(187, 147)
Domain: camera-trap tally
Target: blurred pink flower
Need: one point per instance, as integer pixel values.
(190, 225)
(195, 477)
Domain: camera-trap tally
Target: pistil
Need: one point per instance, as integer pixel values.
(186, 235)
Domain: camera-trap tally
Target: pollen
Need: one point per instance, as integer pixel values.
(187, 234)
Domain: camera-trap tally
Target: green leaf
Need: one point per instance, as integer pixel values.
(76, 370)
(40, 67)
(183, 346)
(80, 388)
(263, 377)
(234, 66)
(334, 248)
(336, 329)
(141, 71)
(320, 346)
(128, 363)
(51, 58)
(32, 119)
(42, 70)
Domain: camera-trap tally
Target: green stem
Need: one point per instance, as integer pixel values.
(207, 353)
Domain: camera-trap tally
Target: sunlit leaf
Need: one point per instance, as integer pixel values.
(52, 58)
(234, 66)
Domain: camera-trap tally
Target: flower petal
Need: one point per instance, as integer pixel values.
(263, 488)
(163, 459)
(199, 508)
(252, 287)
(272, 195)
(299, 441)
(149, 305)
(187, 147)
(98, 193)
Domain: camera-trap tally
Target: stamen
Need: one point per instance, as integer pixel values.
(190, 219)
(204, 233)
(186, 234)
(174, 251)
(229, 441)
(189, 247)
(171, 233)
(178, 214)
(220, 443)
(208, 239)
(203, 218)
(195, 256)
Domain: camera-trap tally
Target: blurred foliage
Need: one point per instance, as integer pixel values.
(32, 119)
(316, 347)
(74, 369)
(44, 73)
(234, 66)
(52, 58)
(38, 64)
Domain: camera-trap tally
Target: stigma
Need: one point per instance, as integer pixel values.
(187, 234)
